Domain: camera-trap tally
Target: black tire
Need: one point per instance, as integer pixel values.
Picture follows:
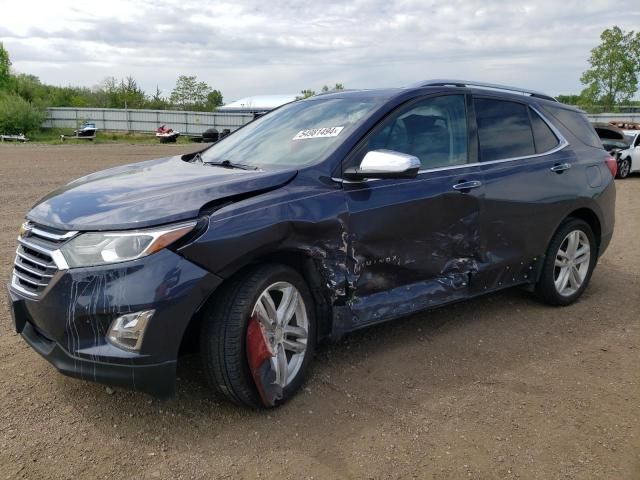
(624, 168)
(545, 289)
(224, 331)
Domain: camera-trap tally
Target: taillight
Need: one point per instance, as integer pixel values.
(613, 165)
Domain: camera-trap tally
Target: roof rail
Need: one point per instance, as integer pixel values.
(489, 86)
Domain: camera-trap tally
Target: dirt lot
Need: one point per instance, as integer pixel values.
(499, 387)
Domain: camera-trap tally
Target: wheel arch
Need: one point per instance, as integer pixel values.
(584, 213)
(297, 260)
(546, 287)
(589, 216)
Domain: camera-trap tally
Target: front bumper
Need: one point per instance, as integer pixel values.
(155, 379)
(68, 325)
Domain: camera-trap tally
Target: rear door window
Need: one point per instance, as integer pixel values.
(504, 130)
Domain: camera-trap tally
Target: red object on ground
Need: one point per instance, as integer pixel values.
(164, 129)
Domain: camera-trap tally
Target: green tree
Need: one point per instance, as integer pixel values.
(18, 116)
(335, 88)
(305, 94)
(571, 99)
(214, 100)
(74, 97)
(5, 69)
(189, 94)
(157, 101)
(614, 67)
(124, 93)
(324, 89)
(109, 87)
(583, 100)
(29, 87)
(131, 94)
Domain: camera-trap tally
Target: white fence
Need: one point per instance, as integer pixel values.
(193, 123)
(615, 117)
(124, 120)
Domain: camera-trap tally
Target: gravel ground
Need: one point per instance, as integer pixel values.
(497, 387)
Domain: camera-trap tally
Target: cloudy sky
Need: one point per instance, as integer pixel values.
(248, 47)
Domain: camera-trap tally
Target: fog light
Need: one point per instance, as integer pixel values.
(127, 331)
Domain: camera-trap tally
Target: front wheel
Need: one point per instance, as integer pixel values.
(571, 258)
(258, 337)
(624, 168)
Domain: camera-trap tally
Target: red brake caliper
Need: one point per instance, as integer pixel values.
(259, 356)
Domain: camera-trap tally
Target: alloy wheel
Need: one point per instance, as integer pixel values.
(624, 169)
(282, 315)
(572, 263)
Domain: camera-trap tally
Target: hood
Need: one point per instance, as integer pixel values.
(147, 194)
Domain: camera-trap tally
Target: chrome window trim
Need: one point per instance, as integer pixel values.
(562, 143)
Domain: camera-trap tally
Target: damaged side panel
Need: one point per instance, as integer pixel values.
(413, 244)
(400, 301)
(308, 220)
(381, 249)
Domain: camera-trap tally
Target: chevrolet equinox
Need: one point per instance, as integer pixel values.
(323, 216)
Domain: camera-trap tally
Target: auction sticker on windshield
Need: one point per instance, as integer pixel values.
(323, 132)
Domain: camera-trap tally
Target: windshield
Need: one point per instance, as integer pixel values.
(298, 134)
(629, 137)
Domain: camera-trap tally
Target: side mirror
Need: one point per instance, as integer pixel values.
(384, 164)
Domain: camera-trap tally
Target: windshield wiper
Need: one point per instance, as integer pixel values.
(230, 164)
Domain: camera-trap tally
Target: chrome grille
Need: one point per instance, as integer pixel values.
(38, 258)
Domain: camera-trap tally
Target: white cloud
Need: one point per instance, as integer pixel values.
(248, 47)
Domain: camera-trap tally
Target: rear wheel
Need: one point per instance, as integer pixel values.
(258, 337)
(624, 168)
(567, 269)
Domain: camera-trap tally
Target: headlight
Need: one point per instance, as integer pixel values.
(100, 248)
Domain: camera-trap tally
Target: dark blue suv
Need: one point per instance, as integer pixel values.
(324, 216)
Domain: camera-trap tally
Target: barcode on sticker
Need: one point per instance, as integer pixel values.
(323, 132)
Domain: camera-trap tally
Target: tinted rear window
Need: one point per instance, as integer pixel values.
(503, 129)
(577, 124)
(544, 138)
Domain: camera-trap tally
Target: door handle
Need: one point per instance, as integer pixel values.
(466, 186)
(560, 167)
